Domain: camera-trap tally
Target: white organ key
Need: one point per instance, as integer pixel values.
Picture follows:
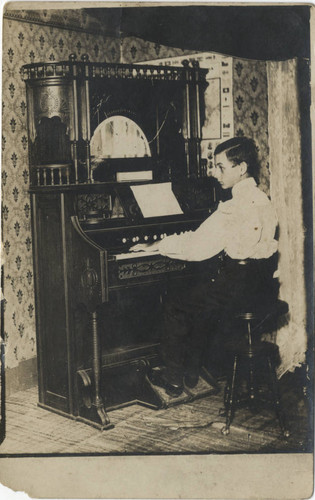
(134, 255)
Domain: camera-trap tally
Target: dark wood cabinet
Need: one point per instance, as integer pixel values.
(98, 307)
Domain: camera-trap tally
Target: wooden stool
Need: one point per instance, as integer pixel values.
(253, 357)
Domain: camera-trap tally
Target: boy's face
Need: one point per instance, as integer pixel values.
(226, 173)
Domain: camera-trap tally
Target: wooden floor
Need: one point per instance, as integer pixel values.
(189, 428)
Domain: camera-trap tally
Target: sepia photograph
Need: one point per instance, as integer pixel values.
(157, 300)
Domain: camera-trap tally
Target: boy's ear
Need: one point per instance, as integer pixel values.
(243, 166)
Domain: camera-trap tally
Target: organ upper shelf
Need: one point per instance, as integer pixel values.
(88, 69)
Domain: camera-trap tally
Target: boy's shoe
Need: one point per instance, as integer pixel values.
(157, 377)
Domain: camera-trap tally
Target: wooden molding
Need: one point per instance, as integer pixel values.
(21, 377)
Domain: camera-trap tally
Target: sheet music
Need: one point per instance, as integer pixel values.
(156, 200)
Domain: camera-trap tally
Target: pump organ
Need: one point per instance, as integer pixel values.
(95, 130)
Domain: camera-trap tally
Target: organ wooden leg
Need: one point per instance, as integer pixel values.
(97, 404)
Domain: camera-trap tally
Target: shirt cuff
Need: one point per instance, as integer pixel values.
(172, 245)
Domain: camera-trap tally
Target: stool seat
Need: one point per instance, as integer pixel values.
(274, 309)
(257, 349)
(253, 356)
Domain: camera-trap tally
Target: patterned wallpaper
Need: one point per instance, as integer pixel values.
(45, 38)
(135, 49)
(70, 19)
(251, 109)
(26, 42)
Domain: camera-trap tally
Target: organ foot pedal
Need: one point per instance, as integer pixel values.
(206, 386)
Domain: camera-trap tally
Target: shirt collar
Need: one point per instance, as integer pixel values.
(243, 186)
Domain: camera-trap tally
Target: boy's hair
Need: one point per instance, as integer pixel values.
(241, 149)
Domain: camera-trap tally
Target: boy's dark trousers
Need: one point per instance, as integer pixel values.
(203, 312)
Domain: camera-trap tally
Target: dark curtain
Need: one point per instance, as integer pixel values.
(255, 32)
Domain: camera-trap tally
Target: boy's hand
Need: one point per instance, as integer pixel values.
(144, 247)
(140, 247)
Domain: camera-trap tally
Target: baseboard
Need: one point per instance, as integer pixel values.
(21, 377)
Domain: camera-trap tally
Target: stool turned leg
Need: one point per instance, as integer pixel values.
(230, 400)
(251, 380)
(251, 364)
(276, 397)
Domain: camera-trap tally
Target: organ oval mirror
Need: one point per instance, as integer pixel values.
(119, 137)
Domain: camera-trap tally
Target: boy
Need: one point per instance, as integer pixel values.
(242, 230)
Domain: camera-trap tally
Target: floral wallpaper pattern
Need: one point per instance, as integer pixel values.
(71, 19)
(251, 108)
(135, 49)
(27, 42)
